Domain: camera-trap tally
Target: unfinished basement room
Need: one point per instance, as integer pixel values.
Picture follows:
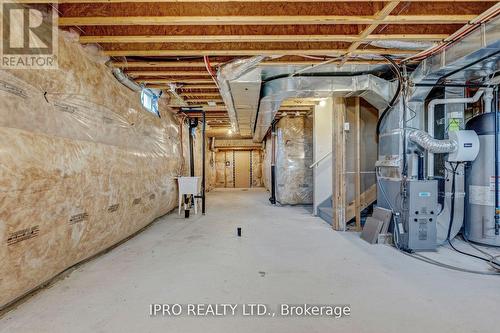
(290, 166)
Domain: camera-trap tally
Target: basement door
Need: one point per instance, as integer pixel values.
(242, 169)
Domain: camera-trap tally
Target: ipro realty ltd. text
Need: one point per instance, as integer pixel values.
(249, 309)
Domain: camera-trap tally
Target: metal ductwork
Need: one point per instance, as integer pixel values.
(230, 72)
(376, 91)
(475, 56)
(125, 80)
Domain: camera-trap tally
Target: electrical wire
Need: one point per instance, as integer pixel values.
(447, 266)
(395, 69)
(492, 258)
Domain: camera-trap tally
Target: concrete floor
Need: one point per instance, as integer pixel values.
(284, 256)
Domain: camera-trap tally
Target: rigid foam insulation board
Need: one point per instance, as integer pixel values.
(371, 230)
(294, 156)
(83, 166)
(384, 215)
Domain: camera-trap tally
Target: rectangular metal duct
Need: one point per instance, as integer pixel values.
(375, 90)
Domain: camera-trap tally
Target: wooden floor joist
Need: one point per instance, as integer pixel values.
(261, 20)
(235, 1)
(167, 73)
(382, 15)
(180, 63)
(255, 38)
(239, 52)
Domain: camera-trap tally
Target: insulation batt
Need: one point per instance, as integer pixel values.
(82, 166)
(294, 156)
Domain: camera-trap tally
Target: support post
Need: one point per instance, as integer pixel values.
(203, 181)
(357, 174)
(272, 199)
(338, 166)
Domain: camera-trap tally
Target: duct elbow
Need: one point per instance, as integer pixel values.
(434, 146)
(125, 80)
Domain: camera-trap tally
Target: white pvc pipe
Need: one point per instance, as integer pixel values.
(430, 120)
(488, 100)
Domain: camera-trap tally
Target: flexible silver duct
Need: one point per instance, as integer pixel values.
(125, 80)
(435, 146)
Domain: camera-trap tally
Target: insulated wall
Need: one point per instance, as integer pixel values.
(266, 163)
(294, 156)
(82, 166)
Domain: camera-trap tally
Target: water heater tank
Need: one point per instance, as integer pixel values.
(480, 184)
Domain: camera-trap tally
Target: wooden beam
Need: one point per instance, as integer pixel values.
(153, 64)
(166, 64)
(260, 20)
(189, 87)
(238, 52)
(338, 166)
(183, 87)
(366, 199)
(198, 94)
(222, 1)
(357, 162)
(254, 38)
(204, 100)
(241, 1)
(167, 81)
(167, 73)
(216, 38)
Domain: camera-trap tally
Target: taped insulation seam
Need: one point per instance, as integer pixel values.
(83, 167)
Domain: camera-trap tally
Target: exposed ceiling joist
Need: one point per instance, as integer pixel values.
(256, 38)
(257, 20)
(181, 63)
(167, 73)
(381, 15)
(238, 52)
(167, 81)
(236, 1)
(197, 94)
